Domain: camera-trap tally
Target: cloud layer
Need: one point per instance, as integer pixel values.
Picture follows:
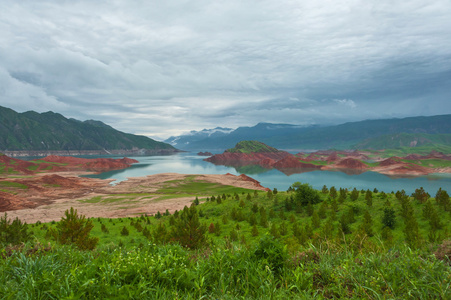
(159, 69)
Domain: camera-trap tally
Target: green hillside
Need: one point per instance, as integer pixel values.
(343, 136)
(251, 146)
(52, 131)
(411, 140)
(241, 244)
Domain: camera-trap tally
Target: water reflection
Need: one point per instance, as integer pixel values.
(189, 163)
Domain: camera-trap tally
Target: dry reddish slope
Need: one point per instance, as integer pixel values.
(293, 162)
(44, 189)
(253, 157)
(90, 164)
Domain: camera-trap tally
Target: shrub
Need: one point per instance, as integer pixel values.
(272, 252)
(188, 231)
(14, 232)
(389, 218)
(305, 194)
(75, 230)
(124, 231)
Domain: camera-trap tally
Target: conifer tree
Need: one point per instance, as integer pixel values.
(367, 224)
(74, 229)
(252, 219)
(254, 208)
(296, 230)
(388, 220)
(328, 229)
(322, 210)
(263, 218)
(283, 229)
(443, 199)
(254, 230)
(427, 209)
(14, 232)
(434, 220)
(233, 235)
(188, 230)
(218, 229)
(354, 194)
(344, 225)
(334, 205)
(333, 192)
(315, 220)
(309, 209)
(369, 198)
(421, 195)
(411, 232)
(274, 230)
(342, 196)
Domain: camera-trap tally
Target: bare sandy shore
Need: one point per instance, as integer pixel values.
(96, 198)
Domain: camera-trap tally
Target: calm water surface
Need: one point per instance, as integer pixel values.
(190, 163)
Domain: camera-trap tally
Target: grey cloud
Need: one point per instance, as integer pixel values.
(168, 66)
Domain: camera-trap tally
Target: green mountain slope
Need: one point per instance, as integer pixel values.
(52, 131)
(251, 146)
(391, 141)
(343, 136)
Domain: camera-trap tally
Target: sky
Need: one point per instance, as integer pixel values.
(162, 68)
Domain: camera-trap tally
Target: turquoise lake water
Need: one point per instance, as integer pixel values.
(190, 163)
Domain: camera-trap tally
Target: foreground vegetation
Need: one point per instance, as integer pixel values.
(244, 244)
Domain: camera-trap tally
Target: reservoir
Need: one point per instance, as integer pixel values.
(191, 163)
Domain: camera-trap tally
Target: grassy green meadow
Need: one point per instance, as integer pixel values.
(244, 244)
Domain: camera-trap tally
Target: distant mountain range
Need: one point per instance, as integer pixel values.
(49, 132)
(369, 134)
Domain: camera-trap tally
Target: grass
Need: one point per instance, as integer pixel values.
(274, 264)
(197, 188)
(12, 184)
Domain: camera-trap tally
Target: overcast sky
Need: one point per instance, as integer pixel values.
(161, 68)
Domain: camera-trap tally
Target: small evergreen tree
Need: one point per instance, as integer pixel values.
(217, 229)
(188, 230)
(252, 219)
(74, 229)
(254, 230)
(367, 224)
(369, 198)
(263, 218)
(388, 220)
(421, 195)
(333, 192)
(124, 231)
(322, 210)
(14, 232)
(354, 194)
(233, 235)
(344, 225)
(254, 208)
(315, 220)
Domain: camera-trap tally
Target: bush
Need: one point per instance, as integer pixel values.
(272, 252)
(124, 231)
(14, 232)
(74, 230)
(305, 194)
